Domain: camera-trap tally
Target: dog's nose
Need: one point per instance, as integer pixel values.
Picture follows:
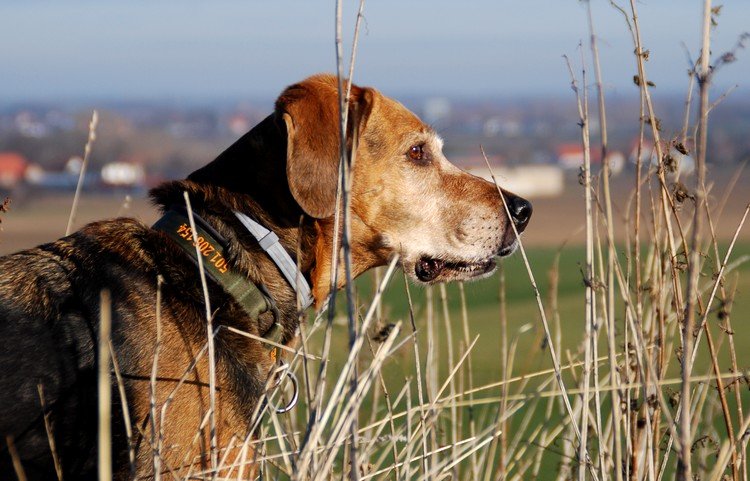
(520, 210)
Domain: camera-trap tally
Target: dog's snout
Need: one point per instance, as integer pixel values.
(520, 210)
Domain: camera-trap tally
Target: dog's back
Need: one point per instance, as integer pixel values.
(48, 335)
(49, 330)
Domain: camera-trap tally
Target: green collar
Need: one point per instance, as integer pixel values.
(212, 247)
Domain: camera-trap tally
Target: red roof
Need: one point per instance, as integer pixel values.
(576, 150)
(569, 149)
(12, 164)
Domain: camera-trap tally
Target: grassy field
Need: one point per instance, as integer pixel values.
(531, 364)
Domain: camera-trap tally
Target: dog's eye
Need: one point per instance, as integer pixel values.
(417, 153)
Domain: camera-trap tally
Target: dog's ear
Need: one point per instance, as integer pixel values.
(311, 115)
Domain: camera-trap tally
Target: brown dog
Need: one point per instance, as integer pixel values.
(406, 198)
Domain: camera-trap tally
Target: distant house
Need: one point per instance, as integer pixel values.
(500, 126)
(123, 174)
(616, 161)
(12, 169)
(647, 152)
(680, 163)
(569, 156)
(65, 179)
(532, 181)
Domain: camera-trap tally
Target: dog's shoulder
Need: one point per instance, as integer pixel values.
(42, 276)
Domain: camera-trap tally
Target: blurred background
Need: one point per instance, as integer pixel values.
(176, 82)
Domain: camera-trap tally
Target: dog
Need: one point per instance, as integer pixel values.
(406, 199)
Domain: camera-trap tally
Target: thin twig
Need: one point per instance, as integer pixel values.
(50, 434)
(209, 335)
(105, 388)
(82, 173)
(684, 468)
(156, 440)
(15, 458)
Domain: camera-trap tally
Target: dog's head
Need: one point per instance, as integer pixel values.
(406, 196)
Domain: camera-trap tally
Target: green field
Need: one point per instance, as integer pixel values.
(482, 299)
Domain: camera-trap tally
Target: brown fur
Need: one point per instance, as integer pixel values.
(284, 174)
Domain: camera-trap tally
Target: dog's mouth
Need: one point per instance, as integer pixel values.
(431, 269)
(428, 269)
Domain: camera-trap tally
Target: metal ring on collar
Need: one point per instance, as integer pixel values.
(286, 373)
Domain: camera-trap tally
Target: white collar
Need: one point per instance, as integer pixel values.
(269, 242)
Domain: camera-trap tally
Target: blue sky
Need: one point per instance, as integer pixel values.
(184, 49)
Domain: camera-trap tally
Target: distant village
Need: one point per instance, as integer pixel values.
(532, 146)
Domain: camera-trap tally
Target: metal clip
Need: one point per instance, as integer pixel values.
(282, 373)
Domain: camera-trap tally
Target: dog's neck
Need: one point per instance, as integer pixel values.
(310, 242)
(250, 178)
(366, 254)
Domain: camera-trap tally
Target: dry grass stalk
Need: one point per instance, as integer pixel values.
(589, 281)
(475, 466)
(210, 339)
(453, 429)
(50, 433)
(156, 439)
(15, 458)
(609, 318)
(105, 388)
(500, 420)
(341, 198)
(82, 172)
(420, 380)
(684, 467)
(125, 409)
(346, 165)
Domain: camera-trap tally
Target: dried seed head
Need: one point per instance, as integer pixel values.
(4, 207)
(725, 308)
(680, 147)
(673, 397)
(383, 333)
(656, 121)
(681, 193)
(728, 57)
